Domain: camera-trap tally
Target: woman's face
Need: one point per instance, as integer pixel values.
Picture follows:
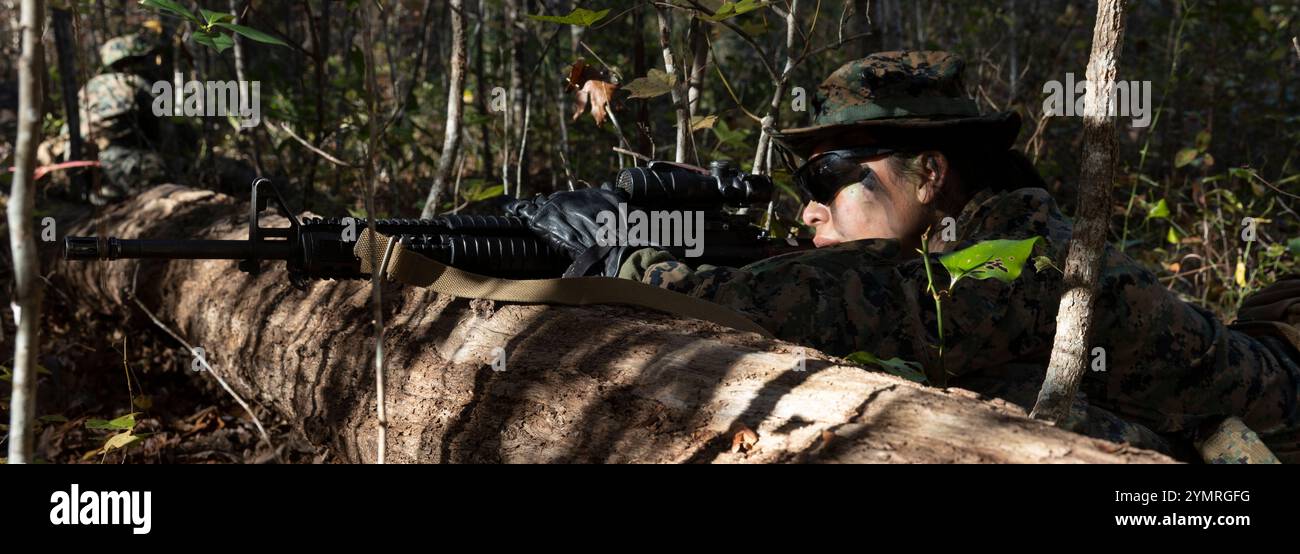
(882, 206)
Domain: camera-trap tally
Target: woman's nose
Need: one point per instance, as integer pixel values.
(815, 214)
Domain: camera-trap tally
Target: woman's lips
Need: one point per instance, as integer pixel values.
(821, 242)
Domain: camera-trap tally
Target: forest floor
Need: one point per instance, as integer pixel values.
(94, 370)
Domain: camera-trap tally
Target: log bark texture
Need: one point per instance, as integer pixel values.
(590, 384)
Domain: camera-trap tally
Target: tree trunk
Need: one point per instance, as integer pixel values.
(26, 303)
(483, 92)
(65, 46)
(670, 67)
(455, 102)
(1070, 352)
(630, 386)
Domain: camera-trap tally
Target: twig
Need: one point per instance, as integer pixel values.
(204, 362)
(636, 155)
(309, 146)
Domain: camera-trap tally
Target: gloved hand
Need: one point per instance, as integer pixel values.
(567, 220)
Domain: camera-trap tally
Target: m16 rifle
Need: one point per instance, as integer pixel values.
(493, 245)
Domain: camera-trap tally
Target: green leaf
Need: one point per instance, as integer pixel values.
(1185, 156)
(1159, 211)
(731, 9)
(53, 418)
(214, 17)
(217, 41)
(488, 192)
(173, 7)
(911, 371)
(998, 259)
(1172, 236)
(252, 33)
(1293, 246)
(125, 422)
(581, 17)
(655, 83)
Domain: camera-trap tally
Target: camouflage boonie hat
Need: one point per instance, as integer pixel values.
(900, 100)
(126, 47)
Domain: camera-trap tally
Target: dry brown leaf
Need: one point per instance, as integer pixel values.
(744, 440)
(597, 94)
(592, 86)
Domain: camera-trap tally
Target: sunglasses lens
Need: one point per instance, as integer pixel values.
(822, 177)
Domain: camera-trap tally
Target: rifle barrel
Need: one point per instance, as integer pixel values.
(112, 248)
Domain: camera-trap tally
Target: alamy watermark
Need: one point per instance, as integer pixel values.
(1127, 99)
(77, 507)
(682, 228)
(239, 99)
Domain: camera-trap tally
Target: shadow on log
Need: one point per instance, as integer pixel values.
(590, 384)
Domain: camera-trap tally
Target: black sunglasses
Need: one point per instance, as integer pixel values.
(822, 176)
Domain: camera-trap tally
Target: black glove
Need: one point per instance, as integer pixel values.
(567, 220)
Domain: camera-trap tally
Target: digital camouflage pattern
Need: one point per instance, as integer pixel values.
(127, 47)
(117, 117)
(894, 84)
(1234, 443)
(115, 109)
(1170, 365)
(900, 99)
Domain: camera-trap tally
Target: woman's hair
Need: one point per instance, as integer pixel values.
(1008, 170)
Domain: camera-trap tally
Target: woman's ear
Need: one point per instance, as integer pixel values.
(934, 174)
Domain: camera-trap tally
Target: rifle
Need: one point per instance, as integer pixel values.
(497, 246)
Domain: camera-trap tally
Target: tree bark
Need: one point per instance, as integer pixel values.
(455, 103)
(65, 46)
(26, 303)
(629, 386)
(1070, 352)
(670, 67)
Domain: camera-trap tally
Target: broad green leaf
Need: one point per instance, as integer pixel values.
(1293, 246)
(655, 83)
(1159, 211)
(728, 136)
(1240, 172)
(489, 192)
(125, 422)
(252, 33)
(214, 17)
(53, 418)
(1185, 156)
(731, 9)
(173, 7)
(998, 259)
(581, 17)
(912, 371)
(122, 440)
(217, 41)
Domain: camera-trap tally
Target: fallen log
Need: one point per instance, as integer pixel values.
(589, 384)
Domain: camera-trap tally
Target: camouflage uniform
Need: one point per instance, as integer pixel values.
(1171, 366)
(117, 116)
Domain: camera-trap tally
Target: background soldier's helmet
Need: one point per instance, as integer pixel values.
(128, 48)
